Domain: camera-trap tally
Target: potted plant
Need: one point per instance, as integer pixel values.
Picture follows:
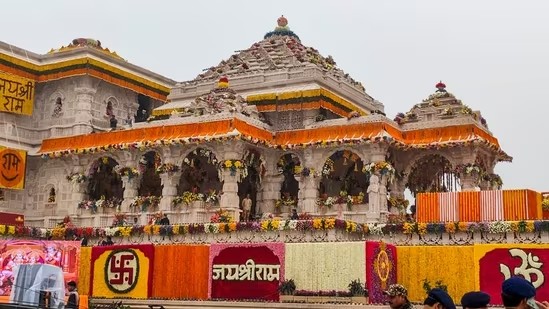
(359, 295)
(287, 289)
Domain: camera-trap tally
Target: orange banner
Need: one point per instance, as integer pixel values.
(181, 272)
(13, 166)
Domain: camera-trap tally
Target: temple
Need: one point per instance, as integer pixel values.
(276, 121)
(271, 176)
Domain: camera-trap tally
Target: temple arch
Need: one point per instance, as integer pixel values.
(342, 173)
(104, 182)
(252, 175)
(151, 184)
(289, 165)
(432, 173)
(199, 173)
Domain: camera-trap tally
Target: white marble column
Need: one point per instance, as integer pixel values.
(308, 191)
(468, 181)
(169, 189)
(271, 192)
(130, 191)
(230, 200)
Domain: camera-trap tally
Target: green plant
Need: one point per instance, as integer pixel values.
(356, 288)
(287, 287)
(438, 284)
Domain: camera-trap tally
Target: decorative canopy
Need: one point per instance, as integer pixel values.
(280, 49)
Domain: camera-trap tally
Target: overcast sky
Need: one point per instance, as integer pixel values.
(493, 55)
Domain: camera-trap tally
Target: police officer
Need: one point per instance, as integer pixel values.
(475, 300)
(438, 299)
(398, 297)
(519, 293)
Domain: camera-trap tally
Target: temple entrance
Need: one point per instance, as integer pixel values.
(151, 184)
(105, 183)
(433, 173)
(289, 165)
(199, 173)
(144, 109)
(342, 176)
(251, 180)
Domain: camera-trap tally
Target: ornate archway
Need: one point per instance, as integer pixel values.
(342, 175)
(199, 173)
(104, 182)
(250, 183)
(151, 184)
(433, 173)
(288, 166)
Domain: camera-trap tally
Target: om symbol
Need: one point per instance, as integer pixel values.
(530, 265)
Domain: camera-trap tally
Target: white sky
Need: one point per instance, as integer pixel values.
(492, 54)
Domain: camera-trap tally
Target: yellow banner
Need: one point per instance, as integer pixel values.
(450, 265)
(16, 94)
(13, 165)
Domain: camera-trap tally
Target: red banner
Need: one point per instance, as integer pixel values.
(64, 254)
(381, 269)
(7, 218)
(122, 271)
(499, 264)
(247, 271)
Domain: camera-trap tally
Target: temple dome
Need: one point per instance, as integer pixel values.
(280, 49)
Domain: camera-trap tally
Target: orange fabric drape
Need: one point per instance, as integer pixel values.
(428, 209)
(181, 271)
(535, 212)
(469, 206)
(514, 205)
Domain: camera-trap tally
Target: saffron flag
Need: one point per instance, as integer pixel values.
(122, 271)
(381, 269)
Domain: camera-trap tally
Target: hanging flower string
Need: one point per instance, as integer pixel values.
(129, 172)
(77, 178)
(167, 168)
(382, 167)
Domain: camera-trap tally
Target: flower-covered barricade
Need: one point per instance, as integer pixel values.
(144, 202)
(130, 172)
(77, 178)
(382, 167)
(167, 168)
(343, 198)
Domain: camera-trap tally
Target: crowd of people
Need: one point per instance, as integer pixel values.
(516, 293)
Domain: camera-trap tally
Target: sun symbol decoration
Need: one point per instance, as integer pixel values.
(383, 265)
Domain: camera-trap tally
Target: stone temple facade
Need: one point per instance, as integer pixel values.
(276, 122)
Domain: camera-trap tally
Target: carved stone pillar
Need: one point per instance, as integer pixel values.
(230, 199)
(468, 182)
(169, 189)
(130, 191)
(271, 192)
(308, 191)
(397, 191)
(83, 107)
(78, 195)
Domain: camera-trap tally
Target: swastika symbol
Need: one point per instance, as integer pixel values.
(122, 270)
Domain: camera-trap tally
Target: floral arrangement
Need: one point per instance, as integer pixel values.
(145, 202)
(399, 202)
(213, 197)
(272, 224)
(102, 202)
(77, 177)
(187, 198)
(284, 201)
(468, 169)
(221, 216)
(356, 288)
(493, 179)
(328, 167)
(234, 166)
(88, 205)
(284, 164)
(130, 172)
(119, 219)
(203, 153)
(545, 203)
(167, 168)
(448, 112)
(352, 200)
(382, 167)
(327, 202)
